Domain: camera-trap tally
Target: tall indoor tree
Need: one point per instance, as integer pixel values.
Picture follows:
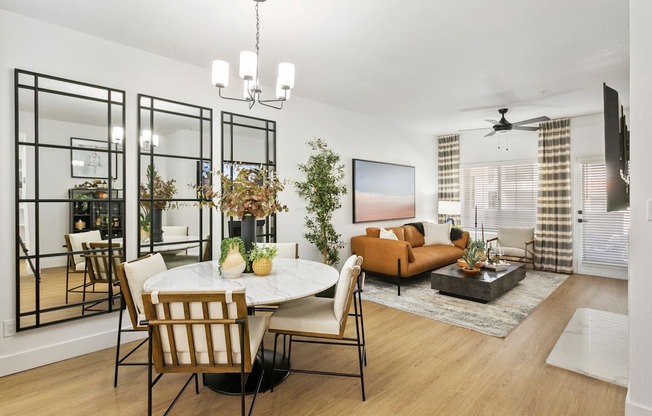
(322, 189)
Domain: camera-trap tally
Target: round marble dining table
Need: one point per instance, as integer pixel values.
(289, 279)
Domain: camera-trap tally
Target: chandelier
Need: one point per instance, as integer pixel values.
(249, 73)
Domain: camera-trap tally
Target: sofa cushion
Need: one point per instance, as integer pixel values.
(388, 234)
(413, 236)
(375, 232)
(437, 233)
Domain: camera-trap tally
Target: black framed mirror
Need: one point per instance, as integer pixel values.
(69, 208)
(175, 142)
(248, 142)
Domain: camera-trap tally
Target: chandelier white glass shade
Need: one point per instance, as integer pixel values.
(117, 135)
(248, 71)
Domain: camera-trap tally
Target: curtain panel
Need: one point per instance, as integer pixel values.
(449, 176)
(553, 237)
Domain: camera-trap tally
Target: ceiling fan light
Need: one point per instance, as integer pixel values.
(220, 74)
(248, 65)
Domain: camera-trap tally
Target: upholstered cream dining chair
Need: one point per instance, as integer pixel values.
(323, 320)
(76, 263)
(202, 332)
(132, 275)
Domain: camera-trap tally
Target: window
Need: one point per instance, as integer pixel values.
(500, 195)
(604, 234)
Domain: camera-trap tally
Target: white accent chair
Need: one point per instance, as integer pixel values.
(285, 250)
(76, 263)
(323, 320)
(202, 332)
(132, 276)
(516, 242)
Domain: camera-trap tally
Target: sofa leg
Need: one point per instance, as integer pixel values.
(398, 277)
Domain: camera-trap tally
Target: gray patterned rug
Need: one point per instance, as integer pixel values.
(498, 317)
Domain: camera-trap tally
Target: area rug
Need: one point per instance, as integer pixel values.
(497, 318)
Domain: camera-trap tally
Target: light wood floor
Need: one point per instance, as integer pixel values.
(416, 366)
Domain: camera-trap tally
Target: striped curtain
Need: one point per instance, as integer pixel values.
(553, 237)
(449, 173)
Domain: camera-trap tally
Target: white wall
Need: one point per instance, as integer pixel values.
(40, 47)
(639, 395)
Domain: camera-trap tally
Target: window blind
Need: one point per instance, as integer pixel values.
(604, 234)
(503, 195)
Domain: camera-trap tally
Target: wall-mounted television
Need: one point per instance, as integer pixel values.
(616, 149)
(382, 191)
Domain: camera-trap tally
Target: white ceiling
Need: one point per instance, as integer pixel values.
(432, 65)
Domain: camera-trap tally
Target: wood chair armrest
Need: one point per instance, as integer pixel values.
(492, 239)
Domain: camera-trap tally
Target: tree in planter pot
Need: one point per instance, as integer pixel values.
(323, 189)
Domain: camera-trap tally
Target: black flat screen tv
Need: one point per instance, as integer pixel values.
(616, 149)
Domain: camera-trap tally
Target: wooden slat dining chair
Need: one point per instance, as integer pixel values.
(75, 262)
(131, 277)
(102, 261)
(318, 320)
(202, 332)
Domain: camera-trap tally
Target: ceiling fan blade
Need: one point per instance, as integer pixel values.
(478, 128)
(531, 120)
(492, 121)
(490, 133)
(524, 128)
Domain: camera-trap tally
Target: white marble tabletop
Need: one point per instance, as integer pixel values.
(289, 279)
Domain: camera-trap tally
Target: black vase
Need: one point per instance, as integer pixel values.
(248, 231)
(156, 225)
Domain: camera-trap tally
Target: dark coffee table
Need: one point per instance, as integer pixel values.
(483, 287)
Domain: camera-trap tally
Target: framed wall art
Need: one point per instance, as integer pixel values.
(89, 158)
(382, 191)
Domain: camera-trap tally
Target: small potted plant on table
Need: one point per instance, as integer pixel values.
(261, 259)
(232, 257)
(471, 259)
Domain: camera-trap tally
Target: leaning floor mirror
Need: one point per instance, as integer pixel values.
(175, 142)
(69, 198)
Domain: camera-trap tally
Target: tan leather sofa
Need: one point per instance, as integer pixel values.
(407, 256)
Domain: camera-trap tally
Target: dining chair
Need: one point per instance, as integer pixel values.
(202, 332)
(75, 262)
(318, 320)
(102, 261)
(284, 250)
(131, 277)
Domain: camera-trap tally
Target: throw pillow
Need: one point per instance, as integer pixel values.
(388, 234)
(437, 233)
(456, 233)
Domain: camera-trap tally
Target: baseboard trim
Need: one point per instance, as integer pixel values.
(634, 409)
(27, 360)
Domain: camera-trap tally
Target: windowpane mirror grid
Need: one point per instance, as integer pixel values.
(175, 143)
(248, 142)
(499, 196)
(605, 235)
(50, 113)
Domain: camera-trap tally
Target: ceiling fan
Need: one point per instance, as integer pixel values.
(503, 126)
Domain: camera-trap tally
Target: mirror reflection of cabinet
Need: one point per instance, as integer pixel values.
(175, 155)
(92, 211)
(249, 142)
(68, 134)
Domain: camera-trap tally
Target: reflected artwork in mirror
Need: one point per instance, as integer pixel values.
(248, 142)
(69, 198)
(175, 142)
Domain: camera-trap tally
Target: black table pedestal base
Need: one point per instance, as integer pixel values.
(230, 383)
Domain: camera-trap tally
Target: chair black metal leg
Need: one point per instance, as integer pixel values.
(149, 373)
(117, 350)
(274, 359)
(398, 277)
